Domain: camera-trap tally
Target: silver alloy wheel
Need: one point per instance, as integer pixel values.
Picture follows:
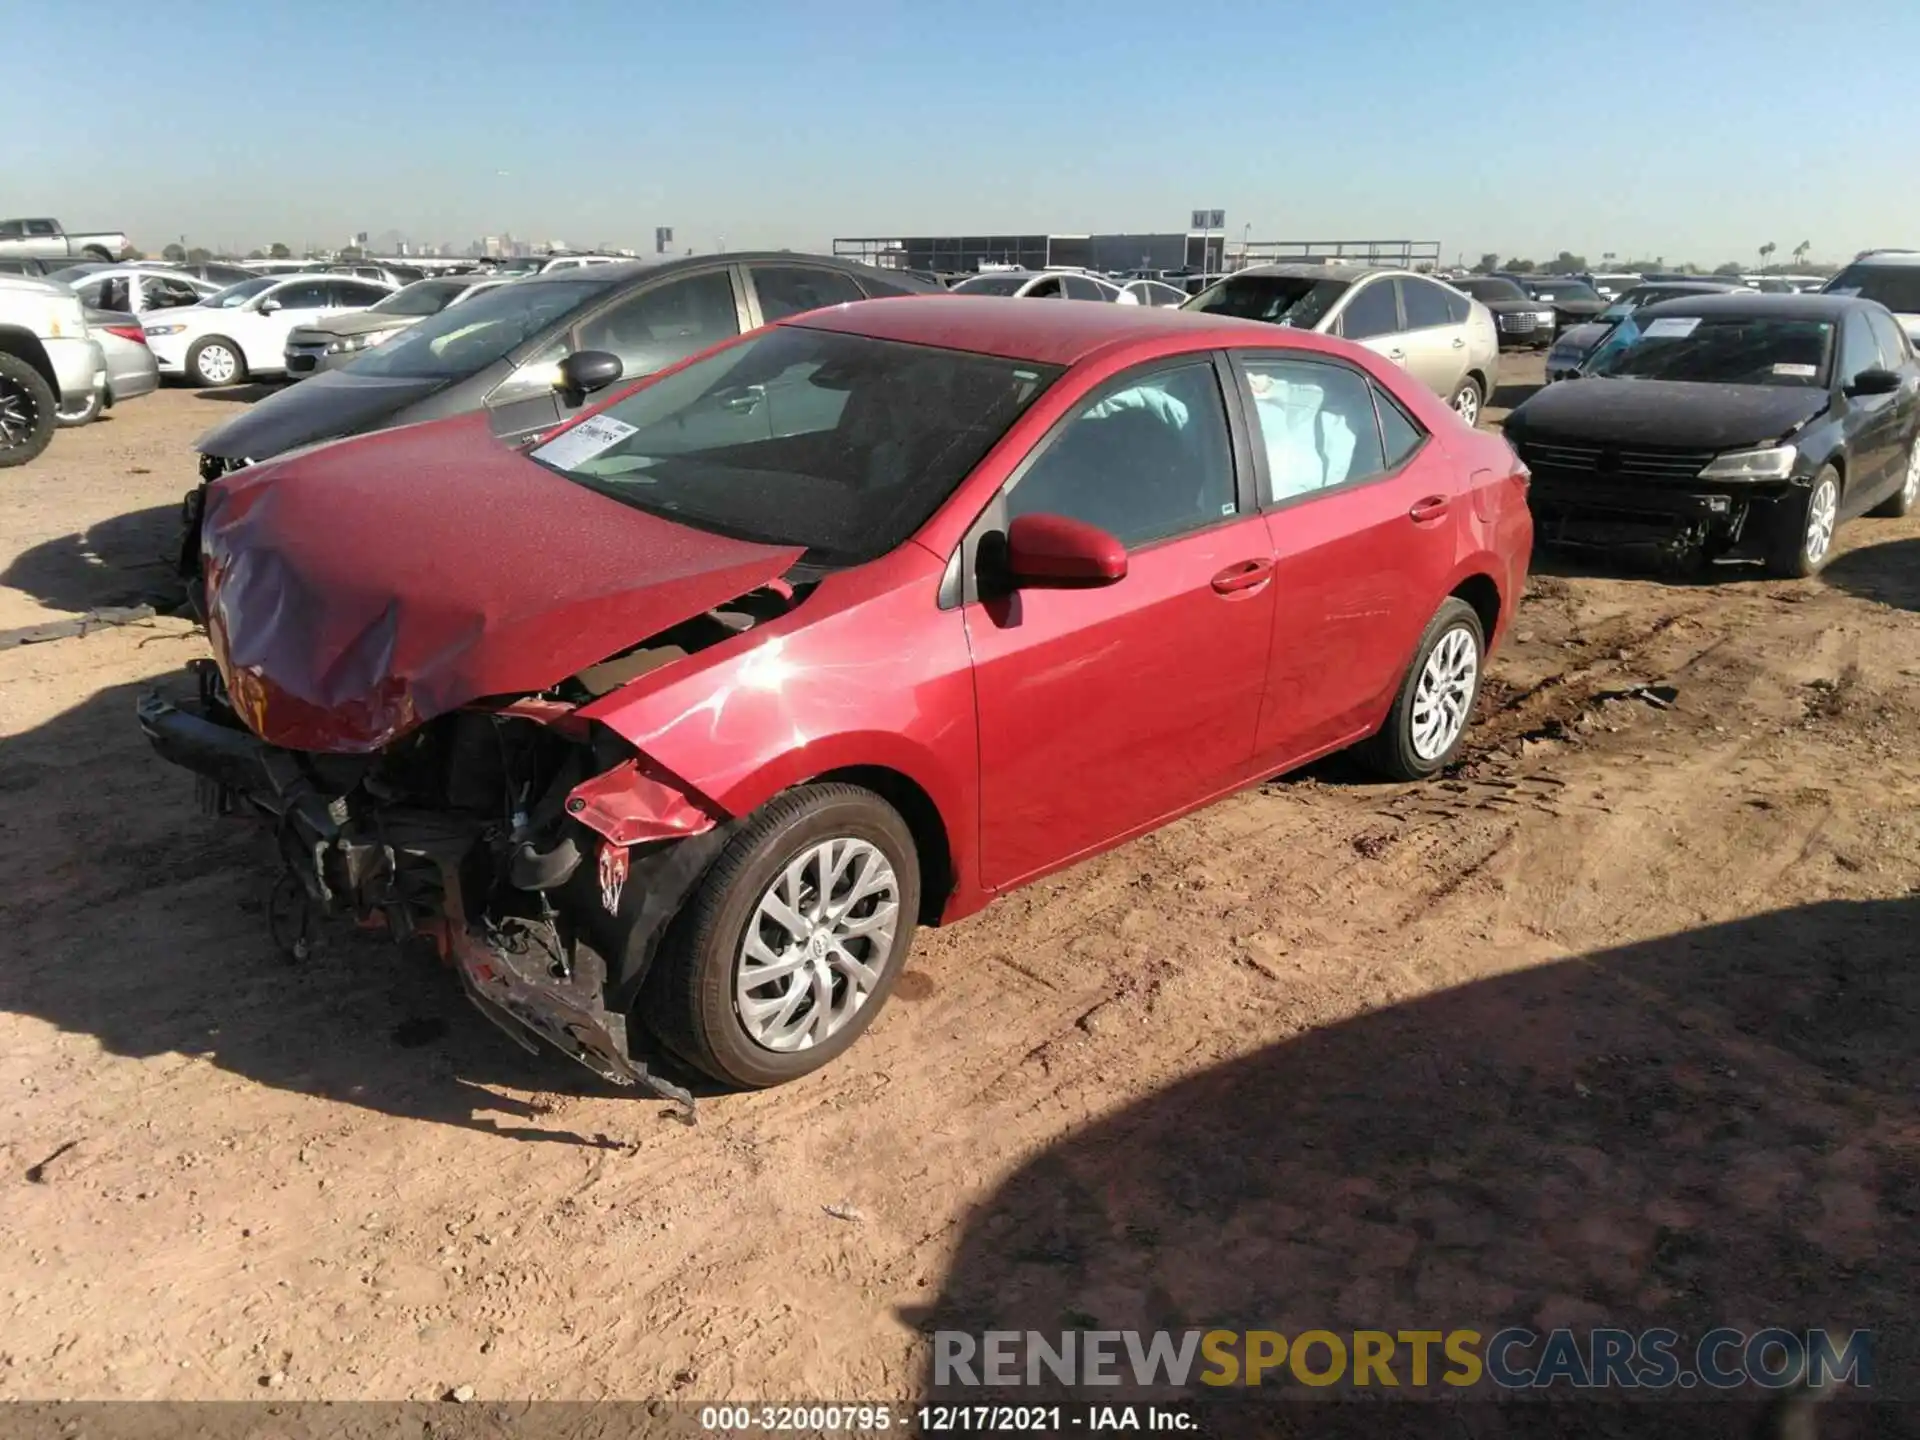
(1910, 492)
(216, 364)
(17, 417)
(1466, 404)
(817, 945)
(1445, 692)
(1823, 513)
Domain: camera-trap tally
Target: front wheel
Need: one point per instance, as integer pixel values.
(1803, 537)
(1467, 399)
(1903, 501)
(216, 361)
(27, 411)
(1427, 726)
(793, 941)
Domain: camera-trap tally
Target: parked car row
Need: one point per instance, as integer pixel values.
(62, 364)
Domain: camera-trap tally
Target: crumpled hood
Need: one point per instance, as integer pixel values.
(334, 402)
(1671, 414)
(356, 591)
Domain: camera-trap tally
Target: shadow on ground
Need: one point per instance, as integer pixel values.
(129, 559)
(1714, 1128)
(136, 920)
(1513, 394)
(1888, 573)
(240, 394)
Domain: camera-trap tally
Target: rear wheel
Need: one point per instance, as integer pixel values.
(1427, 726)
(27, 411)
(216, 361)
(84, 414)
(793, 941)
(1467, 399)
(1803, 537)
(1903, 501)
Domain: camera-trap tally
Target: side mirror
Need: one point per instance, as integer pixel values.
(267, 307)
(584, 372)
(1053, 551)
(1874, 382)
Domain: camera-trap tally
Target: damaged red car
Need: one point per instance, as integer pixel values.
(689, 715)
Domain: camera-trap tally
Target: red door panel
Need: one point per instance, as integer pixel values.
(1103, 710)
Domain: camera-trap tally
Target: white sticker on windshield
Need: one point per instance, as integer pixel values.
(583, 441)
(1671, 327)
(1797, 372)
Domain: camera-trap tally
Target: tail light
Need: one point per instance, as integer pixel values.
(127, 332)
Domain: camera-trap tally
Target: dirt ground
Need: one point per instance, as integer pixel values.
(1616, 1024)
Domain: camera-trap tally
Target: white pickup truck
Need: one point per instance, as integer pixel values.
(50, 240)
(48, 363)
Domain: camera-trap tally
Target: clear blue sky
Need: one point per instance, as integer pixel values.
(1695, 129)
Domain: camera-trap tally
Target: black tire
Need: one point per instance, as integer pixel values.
(688, 1000)
(1468, 388)
(1793, 530)
(96, 252)
(1905, 500)
(215, 342)
(85, 415)
(28, 411)
(1391, 752)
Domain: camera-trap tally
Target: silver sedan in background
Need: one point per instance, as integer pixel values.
(127, 365)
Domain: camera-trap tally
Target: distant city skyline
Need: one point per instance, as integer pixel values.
(1498, 127)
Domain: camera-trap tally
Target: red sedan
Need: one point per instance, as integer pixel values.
(692, 713)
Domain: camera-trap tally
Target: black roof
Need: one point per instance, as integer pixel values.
(621, 271)
(1759, 305)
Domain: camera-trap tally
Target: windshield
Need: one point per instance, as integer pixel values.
(1895, 286)
(239, 294)
(1717, 350)
(990, 285)
(1491, 289)
(840, 444)
(1276, 299)
(423, 297)
(464, 339)
(77, 272)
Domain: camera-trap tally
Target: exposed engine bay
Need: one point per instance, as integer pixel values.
(541, 854)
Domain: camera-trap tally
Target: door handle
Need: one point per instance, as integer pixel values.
(1396, 354)
(745, 402)
(1247, 575)
(1459, 343)
(1431, 508)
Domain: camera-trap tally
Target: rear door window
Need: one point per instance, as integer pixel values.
(1370, 312)
(795, 289)
(1425, 304)
(1318, 428)
(665, 322)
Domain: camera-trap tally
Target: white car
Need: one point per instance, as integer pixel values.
(242, 331)
(1155, 292)
(134, 290)
(50, 364)
(1045, 285)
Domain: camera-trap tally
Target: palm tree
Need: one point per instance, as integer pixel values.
(1765, 251)
(1800, 252)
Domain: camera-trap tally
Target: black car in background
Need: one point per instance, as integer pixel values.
(1574, 302)
(1742, 425)
(1522, 321)
(1574, 344)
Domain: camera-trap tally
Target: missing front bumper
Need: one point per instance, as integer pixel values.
(515, 971)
